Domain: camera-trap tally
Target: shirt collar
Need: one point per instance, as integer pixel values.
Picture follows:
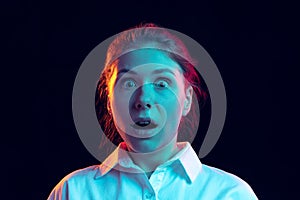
(189, 160)
(120, 160)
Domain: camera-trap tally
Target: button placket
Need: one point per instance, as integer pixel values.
(156, 180)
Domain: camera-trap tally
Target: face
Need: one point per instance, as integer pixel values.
(148, 99)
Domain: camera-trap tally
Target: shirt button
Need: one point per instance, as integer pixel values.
(148, 195)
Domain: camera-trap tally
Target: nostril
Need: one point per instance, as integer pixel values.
(144, 106)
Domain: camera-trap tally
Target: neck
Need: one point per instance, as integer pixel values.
(150, 160)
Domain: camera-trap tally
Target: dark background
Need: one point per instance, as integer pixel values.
(253, 43)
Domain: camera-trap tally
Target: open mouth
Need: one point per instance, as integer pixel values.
(144, 123)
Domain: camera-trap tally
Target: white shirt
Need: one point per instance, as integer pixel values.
(182, 177)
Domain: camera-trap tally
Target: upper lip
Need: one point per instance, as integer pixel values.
(139, 119)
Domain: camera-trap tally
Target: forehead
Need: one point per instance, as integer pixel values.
(143, 57)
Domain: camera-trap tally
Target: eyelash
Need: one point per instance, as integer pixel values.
(167, 81)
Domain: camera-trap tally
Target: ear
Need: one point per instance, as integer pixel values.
(188, 100)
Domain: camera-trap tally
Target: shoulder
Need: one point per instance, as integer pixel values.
(74, 181)
(81, 174)
(222, 176)
(229, 185)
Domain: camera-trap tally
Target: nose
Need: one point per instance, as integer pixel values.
(143, 97)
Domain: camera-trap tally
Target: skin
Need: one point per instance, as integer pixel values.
(150, 85)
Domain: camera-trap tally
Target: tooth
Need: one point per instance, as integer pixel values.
(143, 123)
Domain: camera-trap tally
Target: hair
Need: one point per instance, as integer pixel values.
(146, 36)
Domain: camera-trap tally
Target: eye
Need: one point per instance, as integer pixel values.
(161, 83)
(129, 83)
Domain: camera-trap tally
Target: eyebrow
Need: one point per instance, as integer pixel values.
(157, 71)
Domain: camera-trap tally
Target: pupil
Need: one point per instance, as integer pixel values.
(130, 84)
(161, 84)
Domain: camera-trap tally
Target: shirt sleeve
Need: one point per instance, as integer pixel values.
(60, 191)
(242, 192)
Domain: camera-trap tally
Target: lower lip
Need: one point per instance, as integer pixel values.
(144, 132)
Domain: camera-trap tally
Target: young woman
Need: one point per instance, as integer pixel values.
(146, 91)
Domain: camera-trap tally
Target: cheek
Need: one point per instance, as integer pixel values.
(120, 109)
(119, 99)
(175, 98)
(172, 105)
